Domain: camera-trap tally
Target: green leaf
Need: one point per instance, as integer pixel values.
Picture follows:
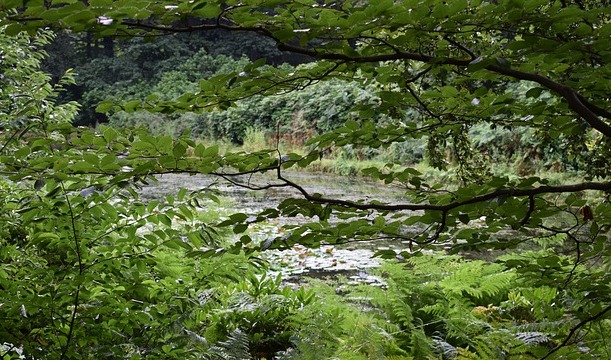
(22, 153)
(240, 228)
(179, 150)
(211, 151)
(457, 6)
(110, 134)
(13, 29)
(44, 237)
(206, 10)
(479, 64)
(464, 218)
(82, 167)
(110, 211)
(352, 125)
(386, 254)
(164, 143)
(182, 192)
(449, 91)
(129, 107)
(91, 159)
(164, 219)
(534, 92)
(109, 159)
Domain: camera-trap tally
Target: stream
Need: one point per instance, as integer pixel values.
(351, 261)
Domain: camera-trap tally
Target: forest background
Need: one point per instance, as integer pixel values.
(169, 66)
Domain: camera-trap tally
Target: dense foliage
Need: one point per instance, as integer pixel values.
(170, 66)
(89, 269)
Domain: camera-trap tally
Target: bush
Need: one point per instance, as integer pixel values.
(295, 115)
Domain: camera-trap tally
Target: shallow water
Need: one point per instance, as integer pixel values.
(351, 261)
(347, 188)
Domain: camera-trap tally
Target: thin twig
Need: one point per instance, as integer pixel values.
(577, 327)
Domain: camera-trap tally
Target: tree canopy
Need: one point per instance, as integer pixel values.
(438, 67)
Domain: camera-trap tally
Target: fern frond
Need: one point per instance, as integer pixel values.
(550, 241)
(438, 309)
(478, 279)
(503, 344)
(421, 346)
(488, 351)
(543, 326)
(493, 285)
(402, 312)
(236, 347)
(532, 338)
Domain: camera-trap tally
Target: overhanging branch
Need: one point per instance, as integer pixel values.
(589, 112)
(541, 190)
(577, 102)
(575, 328)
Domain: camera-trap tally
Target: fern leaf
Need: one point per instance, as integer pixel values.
(236, 347)
(532, 338)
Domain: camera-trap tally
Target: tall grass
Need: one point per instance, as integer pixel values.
(254, 140)
(352, 161)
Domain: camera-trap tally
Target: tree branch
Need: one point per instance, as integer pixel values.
(77, 250)
(577, 102)
(577, 327)
(602, 186)
(531, 208)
